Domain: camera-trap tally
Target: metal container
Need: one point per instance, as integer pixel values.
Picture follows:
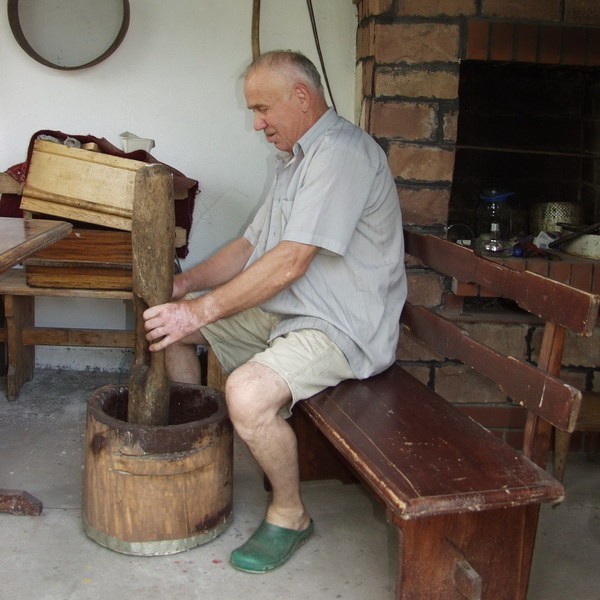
(586, 246)
(545, 216)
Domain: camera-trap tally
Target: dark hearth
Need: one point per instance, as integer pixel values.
(529, 129)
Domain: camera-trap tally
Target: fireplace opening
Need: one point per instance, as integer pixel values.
(529, 129)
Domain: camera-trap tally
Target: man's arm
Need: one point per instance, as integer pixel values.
(221, 267)
(273, 272)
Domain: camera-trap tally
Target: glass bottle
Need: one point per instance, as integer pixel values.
(493, 223)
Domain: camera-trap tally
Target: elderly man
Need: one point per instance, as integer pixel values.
(310, 295)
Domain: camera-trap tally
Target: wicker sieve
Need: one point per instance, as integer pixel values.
(545, 216)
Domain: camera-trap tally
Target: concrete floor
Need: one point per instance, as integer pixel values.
(350, 557)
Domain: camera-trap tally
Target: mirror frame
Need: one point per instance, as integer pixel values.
(15, 26)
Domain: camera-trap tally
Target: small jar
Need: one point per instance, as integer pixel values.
(493, 223)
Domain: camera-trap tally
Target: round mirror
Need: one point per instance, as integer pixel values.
(69, 34)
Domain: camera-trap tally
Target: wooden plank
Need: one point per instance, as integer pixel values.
(13, 283)
(216, 377)
(80, 185)
(538, 431)
(20, 238)
(552, 301)
(88, 247)
(419, 453)
(86, 258)
(56, 336)
(70, 276)
(541, 393)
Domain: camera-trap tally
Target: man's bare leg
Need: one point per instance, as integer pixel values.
(255, 394)
(181, 359)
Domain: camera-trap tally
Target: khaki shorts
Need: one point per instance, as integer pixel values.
(307, 360)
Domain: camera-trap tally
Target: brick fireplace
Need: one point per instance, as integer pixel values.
(414, 58)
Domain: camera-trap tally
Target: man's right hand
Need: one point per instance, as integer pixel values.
(168, 323)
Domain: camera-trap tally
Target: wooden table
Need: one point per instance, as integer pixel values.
(20, 238)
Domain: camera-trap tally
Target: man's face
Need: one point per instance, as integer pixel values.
(277, 106)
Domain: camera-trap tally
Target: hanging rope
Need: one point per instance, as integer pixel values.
(255, 29)
(313, 23)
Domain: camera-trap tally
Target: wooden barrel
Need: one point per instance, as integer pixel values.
(158, 490)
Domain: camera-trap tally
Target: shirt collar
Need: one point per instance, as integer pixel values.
(323, 124)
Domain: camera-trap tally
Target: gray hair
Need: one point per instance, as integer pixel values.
(293, 64)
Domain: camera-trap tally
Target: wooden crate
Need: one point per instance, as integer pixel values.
(80, 185)
(85, 259)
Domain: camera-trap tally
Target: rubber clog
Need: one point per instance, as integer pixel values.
(269, 547)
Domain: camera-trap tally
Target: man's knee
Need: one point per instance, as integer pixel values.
(255, 394)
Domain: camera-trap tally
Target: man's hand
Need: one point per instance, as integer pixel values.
(168, 323)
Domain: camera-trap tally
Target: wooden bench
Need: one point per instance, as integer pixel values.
(465, 503)
(21, 335)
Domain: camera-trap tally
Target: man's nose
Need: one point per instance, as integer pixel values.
(259, 123)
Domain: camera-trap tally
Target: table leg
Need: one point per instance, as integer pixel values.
(19, 313)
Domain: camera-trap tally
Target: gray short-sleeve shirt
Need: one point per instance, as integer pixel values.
(335, 191)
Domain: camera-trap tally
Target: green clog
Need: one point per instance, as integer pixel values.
(269, 547)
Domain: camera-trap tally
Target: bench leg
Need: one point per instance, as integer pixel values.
(21, 359)
(562, 441)
(317, 458)
(3, 364)
(482, 555)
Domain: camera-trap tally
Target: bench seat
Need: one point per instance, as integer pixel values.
(419, 453)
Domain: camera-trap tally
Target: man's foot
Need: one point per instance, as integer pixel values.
(269, 547)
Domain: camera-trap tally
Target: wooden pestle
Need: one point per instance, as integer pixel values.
(153, 243)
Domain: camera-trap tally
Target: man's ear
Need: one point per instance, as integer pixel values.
(303, 96)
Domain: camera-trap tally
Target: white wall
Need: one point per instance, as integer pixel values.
(176, 79)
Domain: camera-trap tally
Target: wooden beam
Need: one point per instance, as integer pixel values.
(535, 389)
(56, 336)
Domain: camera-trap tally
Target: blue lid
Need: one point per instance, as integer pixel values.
(494, 195)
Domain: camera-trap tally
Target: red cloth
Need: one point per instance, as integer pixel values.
(10, 204)
(18, 172)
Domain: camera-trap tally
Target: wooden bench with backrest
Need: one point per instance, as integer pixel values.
(465, 503)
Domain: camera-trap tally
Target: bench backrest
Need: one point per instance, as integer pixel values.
(550, 402)
(550, 300)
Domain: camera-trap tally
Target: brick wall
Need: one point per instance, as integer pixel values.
(408, 55)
